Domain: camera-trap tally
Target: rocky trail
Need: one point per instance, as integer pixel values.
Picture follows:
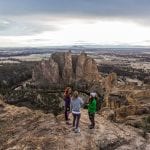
(24, 129)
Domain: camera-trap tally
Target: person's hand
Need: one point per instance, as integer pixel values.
(87, 101)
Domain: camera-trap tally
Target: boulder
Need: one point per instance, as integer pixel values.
(108, 114)
(116, 100)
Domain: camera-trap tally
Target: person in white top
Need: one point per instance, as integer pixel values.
(76, 104)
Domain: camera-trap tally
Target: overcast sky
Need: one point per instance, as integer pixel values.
(36, 23)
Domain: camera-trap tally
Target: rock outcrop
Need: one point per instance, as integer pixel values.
(65, 68)
(116, 100)
(80, 70)
(110, 82)
(46, 71)
(86, 69)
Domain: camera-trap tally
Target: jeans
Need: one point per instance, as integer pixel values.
(92, 119)
(76, 119)
(67, 111)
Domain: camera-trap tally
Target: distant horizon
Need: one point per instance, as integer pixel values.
(81, 46)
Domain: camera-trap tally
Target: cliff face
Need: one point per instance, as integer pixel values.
(67, 74)
(86, 68)
(80, 66)
(65, 68)
(46, 70)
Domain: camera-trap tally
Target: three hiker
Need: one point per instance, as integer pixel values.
(73, 103)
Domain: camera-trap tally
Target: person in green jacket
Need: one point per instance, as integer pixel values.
(92, 109)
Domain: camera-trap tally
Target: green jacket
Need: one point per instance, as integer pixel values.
(92, 106)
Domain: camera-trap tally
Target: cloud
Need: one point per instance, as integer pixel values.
(18, 28)
(127, 9)
(73, 21)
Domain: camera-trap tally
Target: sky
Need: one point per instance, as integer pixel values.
(40, 23)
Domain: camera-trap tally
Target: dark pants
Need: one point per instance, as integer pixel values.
(67, 110)
(92, 119)
(76, 119)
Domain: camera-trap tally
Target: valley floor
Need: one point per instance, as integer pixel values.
(25, 129)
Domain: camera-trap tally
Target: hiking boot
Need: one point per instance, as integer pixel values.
(91, 127)
(77, 130)
(68, 123)
(73, 129)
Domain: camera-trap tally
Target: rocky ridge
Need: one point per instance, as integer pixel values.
(22, 128)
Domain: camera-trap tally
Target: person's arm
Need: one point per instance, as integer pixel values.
(81, 101)
(71, 105)
(88, 100)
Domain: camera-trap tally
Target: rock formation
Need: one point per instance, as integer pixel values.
(86, 68)
(80, 70)
(67, 73)
(46, 70)
(116, 100)
(65, 68)
(110, 82)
